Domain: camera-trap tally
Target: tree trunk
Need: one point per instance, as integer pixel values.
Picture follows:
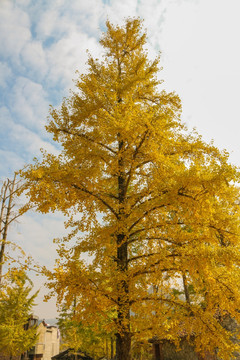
(106, 349)
(123, 346)
(112, 351)
(158, 351)
(123, 336)
(186, 292)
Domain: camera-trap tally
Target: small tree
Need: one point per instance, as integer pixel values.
(168, 204)
(9, 213)
(15, 310)
(91, 339)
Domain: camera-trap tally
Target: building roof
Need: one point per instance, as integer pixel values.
(70, 354)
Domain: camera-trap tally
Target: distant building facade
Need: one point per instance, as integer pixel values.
(48, 343)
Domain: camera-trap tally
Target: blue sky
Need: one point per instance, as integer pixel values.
(43, 43)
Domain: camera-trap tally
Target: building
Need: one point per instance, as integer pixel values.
(48, 343)
(166, 350)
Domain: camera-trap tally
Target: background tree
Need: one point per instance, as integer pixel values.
(90, 339)
(9, 213)
(15, 309)
(150, 203)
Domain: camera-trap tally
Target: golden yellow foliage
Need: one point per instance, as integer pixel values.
(155, 207)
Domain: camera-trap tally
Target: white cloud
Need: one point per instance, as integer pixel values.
(17, 45)
(34, 233)
(10, 162)
(68, 55)
(59, 18)
(5, 74)
(14, 30)
(23, 2)
(19, 144)
(28, 103)
(33, 57)
(30, 142)
(48, 19)
(116, 10)
(201, 56)
(70, 29)
(5, 118)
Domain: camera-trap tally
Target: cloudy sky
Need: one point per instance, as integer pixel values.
(43, 43)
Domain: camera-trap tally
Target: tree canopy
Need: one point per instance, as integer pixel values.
(154, 207)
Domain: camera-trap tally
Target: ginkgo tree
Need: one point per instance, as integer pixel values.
(154, 206)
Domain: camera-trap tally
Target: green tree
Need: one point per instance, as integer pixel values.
(150, 203)
(90, 339)
(15, 309)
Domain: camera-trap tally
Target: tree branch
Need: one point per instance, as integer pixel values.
(97, 197)
(88, 139)
(146, 271)
(133, 158)
(146, 213)
(149, 255)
